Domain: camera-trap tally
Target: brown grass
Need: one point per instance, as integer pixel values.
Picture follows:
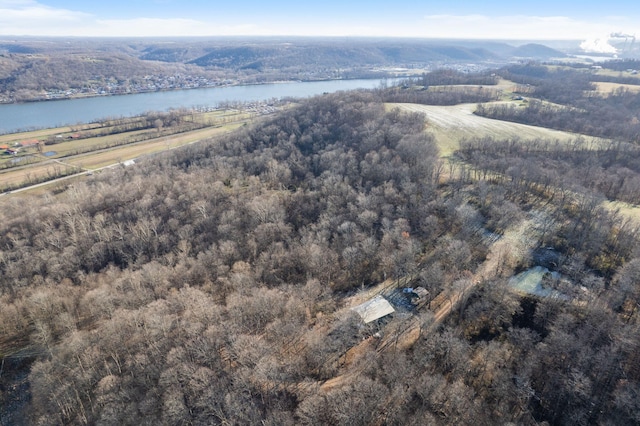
(452, 124)
(606, 88)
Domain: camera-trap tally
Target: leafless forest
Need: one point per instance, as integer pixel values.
(212, 284)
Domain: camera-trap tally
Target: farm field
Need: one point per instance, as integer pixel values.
(109, 157)
(605, 88)
(43, 133)
(452, 124)
(93, 153)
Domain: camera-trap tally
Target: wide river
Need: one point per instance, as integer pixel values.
(36, 115)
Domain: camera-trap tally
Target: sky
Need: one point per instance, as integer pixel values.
(591, 21)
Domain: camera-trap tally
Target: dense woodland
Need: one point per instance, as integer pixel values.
(208, 285)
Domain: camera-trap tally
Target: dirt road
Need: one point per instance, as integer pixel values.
(503, 253)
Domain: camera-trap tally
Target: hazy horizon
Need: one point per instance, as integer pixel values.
(592, 23)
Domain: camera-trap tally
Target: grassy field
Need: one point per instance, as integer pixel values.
(108, 157)
(605, 88)
(94, 153)
(45, 133)
(452, 124)
(66, 141)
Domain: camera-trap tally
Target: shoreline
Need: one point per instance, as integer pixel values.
(139, 92)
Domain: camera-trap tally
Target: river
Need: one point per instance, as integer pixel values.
(45, 114)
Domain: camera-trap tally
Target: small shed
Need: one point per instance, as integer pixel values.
(374, 309)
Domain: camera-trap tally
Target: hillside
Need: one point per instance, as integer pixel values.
(55, 68)
(537, 51)
(214, 284)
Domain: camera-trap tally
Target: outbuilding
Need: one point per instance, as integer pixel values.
(374, 309)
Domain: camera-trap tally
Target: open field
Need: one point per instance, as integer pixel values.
(628, 211)
(66, 141)
(108, 157)
(452, 124)
(49, 168)
(33, 174)
(42, 133)
(605, 88)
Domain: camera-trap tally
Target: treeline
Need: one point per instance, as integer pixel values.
(297, 162)
(206, 286)
(564, 100)
(620, 79)
(562, 86)
(613, 116)
(447, 95)
(452, 88)
(449, 77)
(621, 64)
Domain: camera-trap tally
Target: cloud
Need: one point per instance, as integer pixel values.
(598, 45)
(177, 27)
(13, 3)
(26, 17)
(140, 27)
(520, 27)
(29, 17)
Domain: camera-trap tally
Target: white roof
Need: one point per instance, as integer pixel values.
(373, 309)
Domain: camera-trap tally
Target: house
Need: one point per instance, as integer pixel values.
(29, 143)
(374, 309)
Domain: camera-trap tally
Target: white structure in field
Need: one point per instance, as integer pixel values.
(374, 309)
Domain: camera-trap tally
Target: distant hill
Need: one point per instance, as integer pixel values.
(46, 68)
(342, 54)
(536, 51)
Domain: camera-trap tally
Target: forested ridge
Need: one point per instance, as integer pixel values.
(54, 68)
(209, 285)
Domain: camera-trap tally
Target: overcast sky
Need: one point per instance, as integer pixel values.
(513, 19)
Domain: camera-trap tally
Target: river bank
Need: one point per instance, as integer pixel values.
(18, 117)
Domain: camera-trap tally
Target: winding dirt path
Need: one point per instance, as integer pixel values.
(503, 253)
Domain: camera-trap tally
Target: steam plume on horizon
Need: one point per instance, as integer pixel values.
(598, 45)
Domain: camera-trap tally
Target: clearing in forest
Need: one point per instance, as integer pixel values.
(452, 124)
(606, 88)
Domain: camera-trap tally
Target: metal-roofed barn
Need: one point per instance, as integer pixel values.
(374, 309)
